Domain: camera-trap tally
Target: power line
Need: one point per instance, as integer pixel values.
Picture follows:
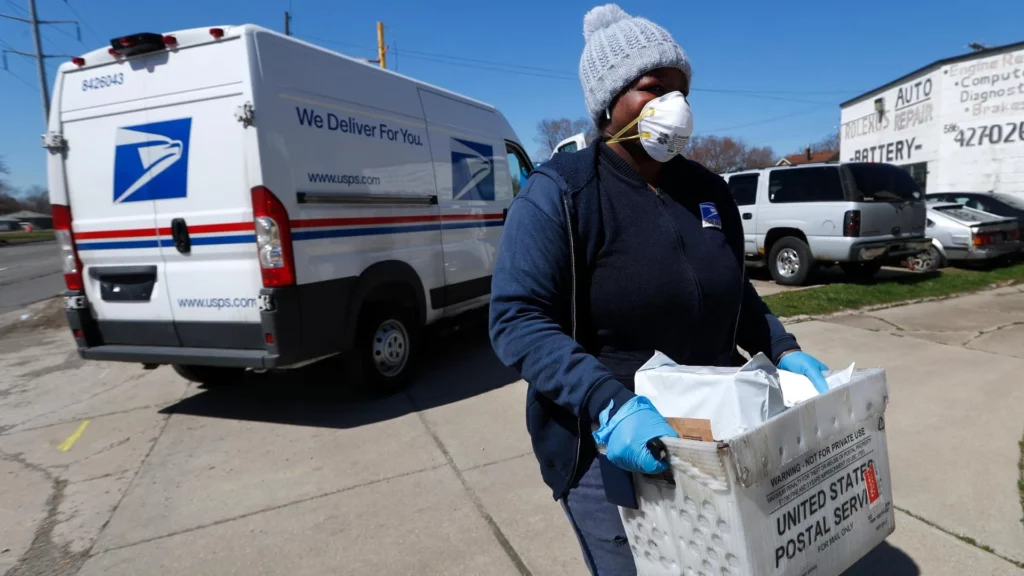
(768, 120)
(539, 72)
(408, 54)
(11, 72)
(25, 12)
(494, 63)
(730, 90)
(23, 81)
(761, 96)
(84, 21)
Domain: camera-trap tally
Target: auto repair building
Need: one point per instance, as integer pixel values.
(956, 125)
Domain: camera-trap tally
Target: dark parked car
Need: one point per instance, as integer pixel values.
(995, 203)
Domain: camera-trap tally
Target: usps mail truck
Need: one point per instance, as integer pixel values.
(230, 198)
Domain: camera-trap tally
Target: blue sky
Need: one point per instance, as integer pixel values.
(799, 61)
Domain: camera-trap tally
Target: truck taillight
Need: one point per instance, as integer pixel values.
(851, 224)
(70, 264)
(273, 239)
(1013, 234)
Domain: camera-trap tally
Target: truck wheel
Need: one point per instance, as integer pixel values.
(790, 261)
(388, 338)
(209, 375)
(860, 271)
(929, 261)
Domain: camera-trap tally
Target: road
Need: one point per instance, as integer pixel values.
(110, 469)
(28, 273)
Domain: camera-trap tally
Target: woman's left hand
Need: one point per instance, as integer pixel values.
(801, 362)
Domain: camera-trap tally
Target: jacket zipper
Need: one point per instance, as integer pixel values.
(739, 308)
(572, 315)
(679, 245)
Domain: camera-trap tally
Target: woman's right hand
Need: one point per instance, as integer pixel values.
(626, 434)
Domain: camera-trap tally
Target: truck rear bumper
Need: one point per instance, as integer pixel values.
(888, 249)
(173, 355)
(297, 324)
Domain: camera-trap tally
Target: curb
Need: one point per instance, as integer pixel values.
(874, 307)
(29, 316)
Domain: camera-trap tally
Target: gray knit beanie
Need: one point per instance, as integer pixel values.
(620, 49)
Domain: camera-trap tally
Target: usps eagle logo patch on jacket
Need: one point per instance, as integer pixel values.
(709, 215)
(151, 161)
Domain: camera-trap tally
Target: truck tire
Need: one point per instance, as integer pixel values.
(790, 261)
(387, 343)
(860, 271)
(210, 376)
(929, 261)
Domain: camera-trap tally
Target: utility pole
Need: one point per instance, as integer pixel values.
(287, 23)
(34, 21)
(40, 61)
(381, 48)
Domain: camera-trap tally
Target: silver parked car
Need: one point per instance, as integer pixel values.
(858, 215)
(961, 234)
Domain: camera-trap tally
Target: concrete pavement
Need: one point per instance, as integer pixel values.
(28, 273)
(956, 410)
(300, 474)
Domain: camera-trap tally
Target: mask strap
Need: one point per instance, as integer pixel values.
(618, 136)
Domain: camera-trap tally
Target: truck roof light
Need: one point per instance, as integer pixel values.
(133, 44)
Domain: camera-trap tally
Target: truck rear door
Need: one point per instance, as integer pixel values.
(159, 195)
(887, 196)
(106, 167)
(205, 223)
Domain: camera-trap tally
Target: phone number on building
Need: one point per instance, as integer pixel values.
(1005, 133)
(100, 82)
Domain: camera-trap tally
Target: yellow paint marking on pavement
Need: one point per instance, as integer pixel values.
(67, 444)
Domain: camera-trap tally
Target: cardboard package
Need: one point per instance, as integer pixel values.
(806, 492)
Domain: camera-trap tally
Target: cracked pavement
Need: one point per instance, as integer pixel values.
(300, 474)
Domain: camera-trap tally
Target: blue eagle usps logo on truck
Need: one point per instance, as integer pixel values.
(472, 170)
(151, 161)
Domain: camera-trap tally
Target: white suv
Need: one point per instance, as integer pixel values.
(858, 215)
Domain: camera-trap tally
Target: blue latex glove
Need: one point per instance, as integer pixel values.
(803, 363)
(626, 434)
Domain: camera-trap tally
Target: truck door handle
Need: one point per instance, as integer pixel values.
(747, 216)
(179, 232)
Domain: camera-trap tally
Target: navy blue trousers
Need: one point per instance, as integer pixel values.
(598, 527)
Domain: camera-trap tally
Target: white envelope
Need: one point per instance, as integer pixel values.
(735, 400)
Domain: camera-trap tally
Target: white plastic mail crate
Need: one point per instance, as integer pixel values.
(807, 492)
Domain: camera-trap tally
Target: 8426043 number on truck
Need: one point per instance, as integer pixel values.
(229, 198)
(858, 215)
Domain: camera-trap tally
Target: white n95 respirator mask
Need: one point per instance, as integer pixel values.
(664, 127)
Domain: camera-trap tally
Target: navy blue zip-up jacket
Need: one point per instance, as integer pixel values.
(596, 272)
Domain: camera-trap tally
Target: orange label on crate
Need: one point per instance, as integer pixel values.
(871, 482)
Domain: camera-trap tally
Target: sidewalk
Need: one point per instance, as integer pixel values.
(271, 477)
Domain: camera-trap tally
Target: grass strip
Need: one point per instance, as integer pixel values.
(838, 297)
(11, 238)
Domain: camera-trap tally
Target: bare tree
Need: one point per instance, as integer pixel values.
(8, 203)
(829, 143)
(36, 199)
(724, 154)
(4, 172)
(551, 131)
(759, 157)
